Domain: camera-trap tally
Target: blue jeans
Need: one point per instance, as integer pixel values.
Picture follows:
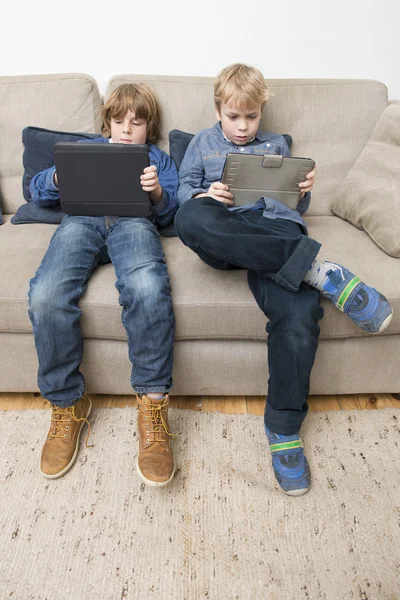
(76, 248)
(277, 255)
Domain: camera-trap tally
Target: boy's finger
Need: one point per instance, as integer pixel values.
(148, 176)
(220, 186)
(149, 169)
(224, 194)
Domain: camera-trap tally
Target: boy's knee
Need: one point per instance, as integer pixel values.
(41, 296)
(298, 332)
(48, 296)
(149, 285)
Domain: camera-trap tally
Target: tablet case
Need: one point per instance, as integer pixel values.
(102, 179)
(252, 176)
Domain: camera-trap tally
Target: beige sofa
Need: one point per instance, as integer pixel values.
(220, 332)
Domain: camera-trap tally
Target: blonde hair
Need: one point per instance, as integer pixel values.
(138, 98)
(243, 83)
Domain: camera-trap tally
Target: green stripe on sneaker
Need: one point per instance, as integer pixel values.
(346, 293)
(285, 446)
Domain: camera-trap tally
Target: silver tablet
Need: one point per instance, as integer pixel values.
(252, 176)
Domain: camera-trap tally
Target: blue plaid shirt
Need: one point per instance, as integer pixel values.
(203, 164)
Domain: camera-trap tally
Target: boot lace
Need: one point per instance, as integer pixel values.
(60, 418)
(160, 426)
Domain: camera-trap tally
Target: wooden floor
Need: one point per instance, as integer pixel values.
(227, 404)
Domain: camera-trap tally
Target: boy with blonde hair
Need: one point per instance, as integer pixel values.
(130, 116)
(269, 240)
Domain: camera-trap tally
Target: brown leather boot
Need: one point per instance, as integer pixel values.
(61, 446)
(155, 463)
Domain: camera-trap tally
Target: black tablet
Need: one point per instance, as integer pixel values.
(102, 179)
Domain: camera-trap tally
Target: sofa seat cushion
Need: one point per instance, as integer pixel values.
(209, 304)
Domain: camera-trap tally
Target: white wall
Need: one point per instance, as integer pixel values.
(284, 38)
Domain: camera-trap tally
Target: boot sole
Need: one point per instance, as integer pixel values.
(151, 483)
(73, 459)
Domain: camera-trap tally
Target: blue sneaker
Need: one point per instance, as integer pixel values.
(289, 462)
(363, 304)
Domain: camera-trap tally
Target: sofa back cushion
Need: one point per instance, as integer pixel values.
(329, 120)
(67, 102)
(369, 196)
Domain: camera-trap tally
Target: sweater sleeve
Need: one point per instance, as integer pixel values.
(165, 210)
(43, 189)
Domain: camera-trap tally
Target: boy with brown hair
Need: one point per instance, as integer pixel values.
(269, 240)
(80, 243)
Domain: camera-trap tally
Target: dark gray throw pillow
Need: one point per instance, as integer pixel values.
(38, 155)
(178, 143)
(30, 212)
(180, 140)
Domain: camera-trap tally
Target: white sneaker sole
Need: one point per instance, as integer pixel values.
(300, 492)
(151, 483)
(73, 459)
(385, 324)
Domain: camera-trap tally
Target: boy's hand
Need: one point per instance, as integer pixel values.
(149, 182)
(220, 191)
(307, 186)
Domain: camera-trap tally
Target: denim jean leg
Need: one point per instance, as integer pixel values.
(71, 257)
(191, 228)
(144, 290)
(293, 333)
(291, 275)
(272, 247)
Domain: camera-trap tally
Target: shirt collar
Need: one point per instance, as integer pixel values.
(262, 136)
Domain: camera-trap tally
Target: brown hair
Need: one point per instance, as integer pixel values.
(138, 98)
(242, 82)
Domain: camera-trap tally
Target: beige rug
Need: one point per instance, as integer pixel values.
(220, 531)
